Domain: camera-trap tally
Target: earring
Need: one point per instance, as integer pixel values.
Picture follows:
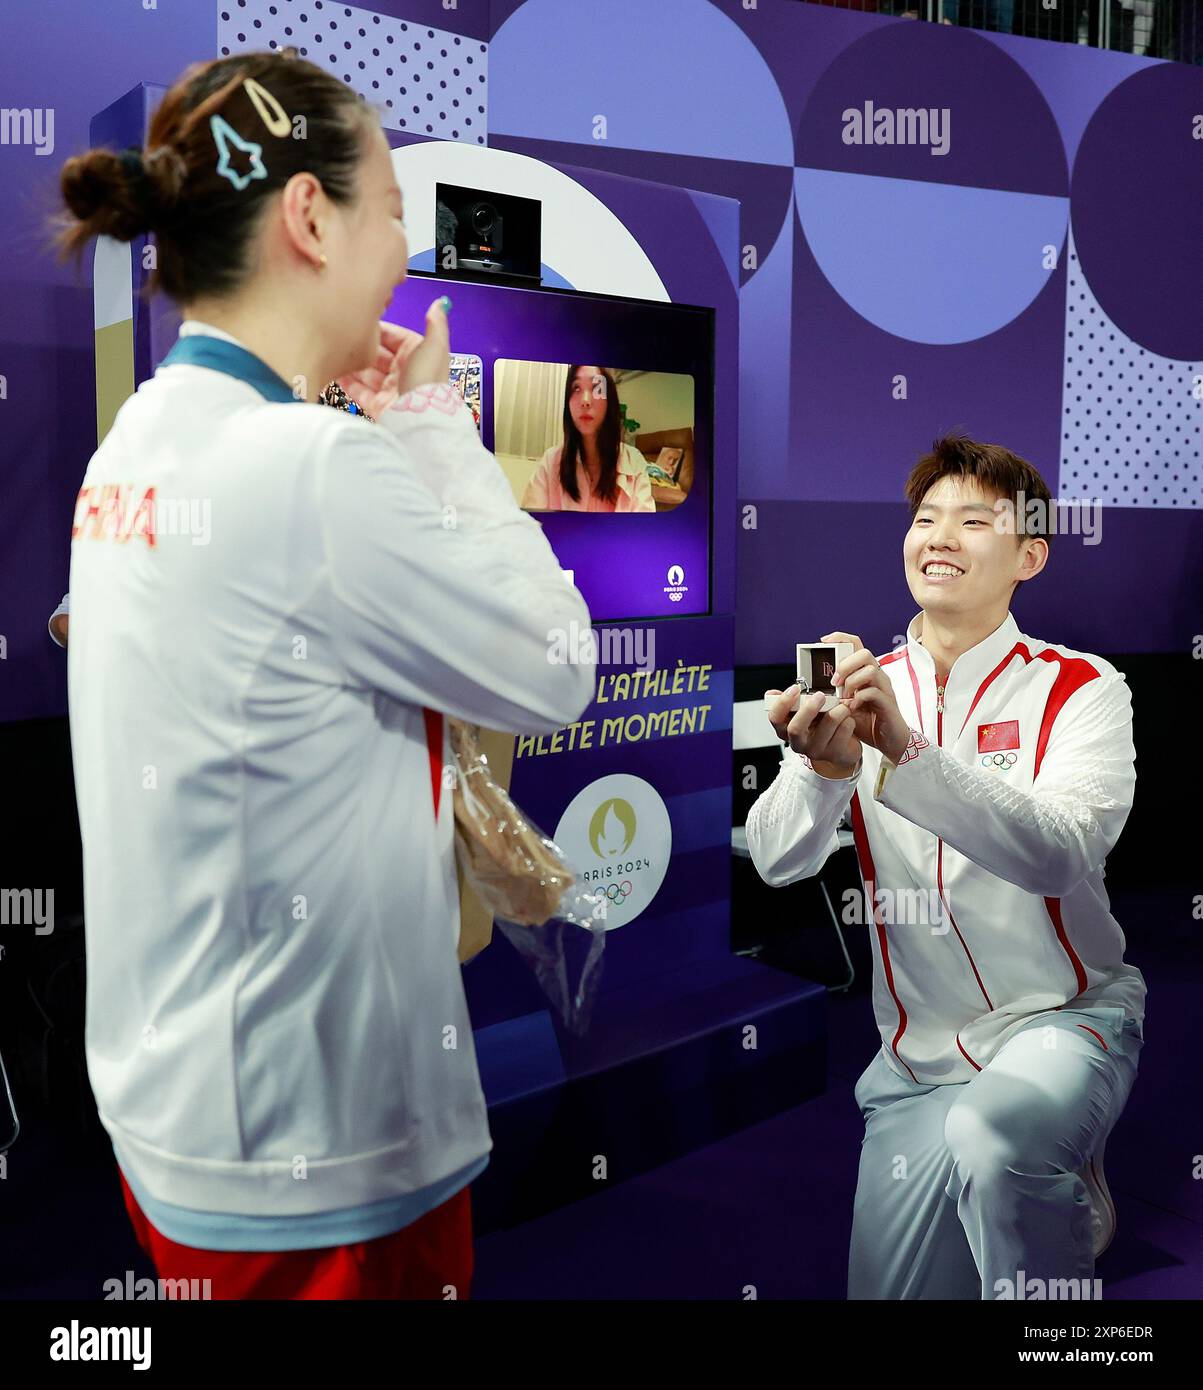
(323, 265)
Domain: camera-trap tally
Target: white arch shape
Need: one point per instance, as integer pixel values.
(583, 241)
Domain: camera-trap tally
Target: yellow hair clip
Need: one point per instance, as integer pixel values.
(276, 120)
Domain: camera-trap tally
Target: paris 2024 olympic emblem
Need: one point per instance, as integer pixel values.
(617, 831)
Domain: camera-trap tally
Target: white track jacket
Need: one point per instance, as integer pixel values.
(981, 852)
(260, 660)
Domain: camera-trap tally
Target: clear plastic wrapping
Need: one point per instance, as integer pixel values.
(538, 899)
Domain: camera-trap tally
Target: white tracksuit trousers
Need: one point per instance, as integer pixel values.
(965, 1185)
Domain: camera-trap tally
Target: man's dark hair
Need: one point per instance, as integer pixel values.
(998, 470)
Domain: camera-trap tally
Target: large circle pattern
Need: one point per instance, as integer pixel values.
(674, 76)
(1137, 199)
(944, 241)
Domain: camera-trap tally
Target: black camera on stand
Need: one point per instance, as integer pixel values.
(486, 236)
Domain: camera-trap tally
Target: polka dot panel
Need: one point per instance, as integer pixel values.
(423, 81)
(1131, 421)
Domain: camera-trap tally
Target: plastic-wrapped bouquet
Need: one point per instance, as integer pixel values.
(517, 873)
(521, 876)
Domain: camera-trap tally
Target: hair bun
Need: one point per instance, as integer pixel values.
(206, 226)
(166, 172)
(108, 193)
(123, 195)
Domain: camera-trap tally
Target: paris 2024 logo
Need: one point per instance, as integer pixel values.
(618, 834)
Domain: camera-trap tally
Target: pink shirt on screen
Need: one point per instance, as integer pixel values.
(544, 494)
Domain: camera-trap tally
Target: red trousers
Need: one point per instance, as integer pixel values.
(424, 1260)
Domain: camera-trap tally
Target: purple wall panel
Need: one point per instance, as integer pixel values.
(852, 579)
(812, 365)
(419, 75)
(949, 269)
(73, 57)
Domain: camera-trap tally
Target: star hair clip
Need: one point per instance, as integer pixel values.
(226, 138)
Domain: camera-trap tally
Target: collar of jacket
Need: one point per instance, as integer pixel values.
(223, 355)
(972, 667)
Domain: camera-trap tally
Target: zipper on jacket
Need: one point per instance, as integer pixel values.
(940, 865)
(940, 744)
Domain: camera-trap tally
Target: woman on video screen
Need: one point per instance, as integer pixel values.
(592, 470)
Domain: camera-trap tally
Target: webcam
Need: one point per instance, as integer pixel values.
(481, 234)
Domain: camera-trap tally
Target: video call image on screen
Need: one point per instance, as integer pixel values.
(466, 372)
(626, 387)
(592, 438)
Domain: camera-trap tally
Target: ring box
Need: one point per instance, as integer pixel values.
(816, 669)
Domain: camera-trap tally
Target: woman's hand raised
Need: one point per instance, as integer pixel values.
(405, 359)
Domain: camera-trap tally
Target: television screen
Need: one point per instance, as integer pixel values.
(599, 410)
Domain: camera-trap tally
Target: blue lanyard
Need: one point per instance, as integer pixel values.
(200, 350)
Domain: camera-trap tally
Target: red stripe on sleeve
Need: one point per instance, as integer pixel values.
(434, 751)
(1073, 675)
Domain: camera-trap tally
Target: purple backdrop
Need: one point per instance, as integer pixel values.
(76, 57)
(857, 265)
(686, 919)
(889, 293)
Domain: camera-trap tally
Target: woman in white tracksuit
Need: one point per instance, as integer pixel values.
(272, 611)
(987, 775)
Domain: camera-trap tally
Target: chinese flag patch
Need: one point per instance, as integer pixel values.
(997, 738)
